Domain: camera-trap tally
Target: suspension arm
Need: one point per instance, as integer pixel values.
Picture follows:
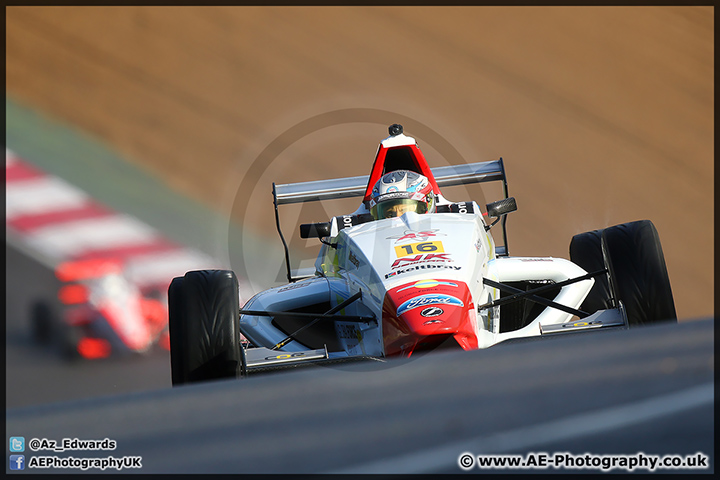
(531, 295)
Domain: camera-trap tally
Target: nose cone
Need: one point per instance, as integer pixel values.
(423, 314)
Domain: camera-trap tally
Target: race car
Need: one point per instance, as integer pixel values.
(102, 313)
(410, 271)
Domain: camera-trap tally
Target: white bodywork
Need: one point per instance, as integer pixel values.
(377, 256)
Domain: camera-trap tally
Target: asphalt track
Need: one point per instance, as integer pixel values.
(646, 390)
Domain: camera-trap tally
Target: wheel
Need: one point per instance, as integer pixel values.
(68, 338)
(638, 274)
(586, 251)
(43, 319)
(204, 310)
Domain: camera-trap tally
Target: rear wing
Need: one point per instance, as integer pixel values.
(348, 187)
(355, 186)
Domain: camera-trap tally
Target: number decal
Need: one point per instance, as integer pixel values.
(427, 247)
(415, 248)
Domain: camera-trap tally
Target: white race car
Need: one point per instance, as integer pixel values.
(411, 271)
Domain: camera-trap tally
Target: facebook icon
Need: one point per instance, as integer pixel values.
(17, 462)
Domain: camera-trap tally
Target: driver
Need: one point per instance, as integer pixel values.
(401, 191)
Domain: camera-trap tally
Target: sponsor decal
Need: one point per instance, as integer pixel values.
(462, 208)
(347, 222)
(429, 299)
(581, 324)
(429, 283)
(421, 267)
(353, 259)
(349, 332)
(387, 196)
(418, 196)
(430, 257)
(293, 286)
(415, 248)
(413, 236)
(432, 312)
(430, 322)
(286, 356)
(351, 337)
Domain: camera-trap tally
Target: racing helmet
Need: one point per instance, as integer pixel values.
(401, 191)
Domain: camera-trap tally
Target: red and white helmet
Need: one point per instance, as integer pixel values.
(401, 191)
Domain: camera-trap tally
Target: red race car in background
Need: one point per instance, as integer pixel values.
(102, 313)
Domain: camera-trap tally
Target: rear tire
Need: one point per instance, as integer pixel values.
(638, 274)
(203, 319)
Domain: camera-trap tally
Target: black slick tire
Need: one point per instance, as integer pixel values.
(204, 310)
(638, 274)
(43, 319)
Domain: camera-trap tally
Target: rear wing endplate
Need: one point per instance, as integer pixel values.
(348, 187)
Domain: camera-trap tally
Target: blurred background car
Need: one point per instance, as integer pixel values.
(100, 313)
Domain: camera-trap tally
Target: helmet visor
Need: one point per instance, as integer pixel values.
(396, 207)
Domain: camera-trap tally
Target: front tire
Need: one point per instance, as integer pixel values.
(204, 310)
(43, 322)
(638, 274)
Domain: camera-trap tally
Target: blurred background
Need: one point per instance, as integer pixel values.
(182, 117)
